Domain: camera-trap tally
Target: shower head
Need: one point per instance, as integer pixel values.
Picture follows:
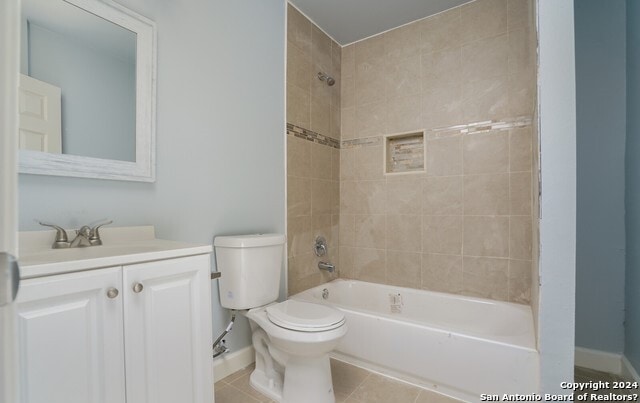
(327, 78)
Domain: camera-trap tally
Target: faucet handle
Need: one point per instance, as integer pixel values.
(94, 234)
(61, 241)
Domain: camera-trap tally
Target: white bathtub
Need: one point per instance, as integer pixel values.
(456, 345)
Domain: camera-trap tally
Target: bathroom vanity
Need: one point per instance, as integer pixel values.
(128, 321)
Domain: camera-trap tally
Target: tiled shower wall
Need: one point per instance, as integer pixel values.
(313, 159)
(467, 77)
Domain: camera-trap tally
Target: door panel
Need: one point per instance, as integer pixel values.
(72, 338)
(168, 331)
(10, 56)
(40, 116)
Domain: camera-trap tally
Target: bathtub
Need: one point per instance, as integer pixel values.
(459, 346)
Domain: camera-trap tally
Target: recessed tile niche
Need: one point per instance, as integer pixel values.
(404, 153)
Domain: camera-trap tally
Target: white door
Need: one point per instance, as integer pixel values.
(9, 54)
(70, 327)
(168, 331)
(40, 111)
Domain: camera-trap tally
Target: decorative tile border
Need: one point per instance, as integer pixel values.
(479, 127)
(314, 137)
(368, 141)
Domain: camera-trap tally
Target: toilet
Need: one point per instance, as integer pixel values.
(292, 339)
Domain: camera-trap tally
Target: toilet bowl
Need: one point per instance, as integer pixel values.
(292, 339)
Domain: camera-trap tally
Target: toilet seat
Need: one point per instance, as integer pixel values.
(304, 316)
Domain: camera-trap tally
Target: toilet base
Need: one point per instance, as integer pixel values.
(305, 380)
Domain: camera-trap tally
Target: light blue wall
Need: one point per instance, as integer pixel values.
(220, 135)
(98, 94)
(601, 115)
(632, 334)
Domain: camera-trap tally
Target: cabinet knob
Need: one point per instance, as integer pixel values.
(137, 287)
(112, 292)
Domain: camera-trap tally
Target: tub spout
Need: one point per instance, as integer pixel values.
(326, 266)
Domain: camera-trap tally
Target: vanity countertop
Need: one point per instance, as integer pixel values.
(121, 246)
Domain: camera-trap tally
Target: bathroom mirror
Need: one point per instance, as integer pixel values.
(87, 90)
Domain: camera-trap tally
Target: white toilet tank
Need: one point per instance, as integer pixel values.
(250, 267)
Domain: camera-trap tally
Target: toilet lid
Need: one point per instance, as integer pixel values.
(304, 316)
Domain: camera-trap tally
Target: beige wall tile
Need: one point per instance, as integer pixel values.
(372, 48)
(371, 119)
(299, 30)
(371, 79)
(302, 265)
(441, 69)
(402, 42)
(441, 31)
(335, 197)
(320, 161)
(350, 202)
(369, 163)
(519, 13)
(348, 91)
(349, 126)
(348, 61)
(404, 233)
(321, 195)
(321, 226)
(370, 231)
(298, 156)
(299, 235)
(298, 196)
(443, 107)
(444, 156)
(372, 197)
(520, 281)
(442, 234)
(347, 164)
(346, 268)
(485, 58)
(521, 60)
(404, 196)
(486, 152)
(485, 277)
(442, 273)
(403, 76)
(369, 265)
(320, 48)
(335, 164)
(320, 115)
(521, 93)
(486, 236)
(486, 194)
(347, 230)
(520, 149)
(520, 193)
(404, 114)
(298, 67)
(485, 99)
(404, 268)
(520, 237)
(443, 195)
(298, 106)
(334, 123)
(483, 19)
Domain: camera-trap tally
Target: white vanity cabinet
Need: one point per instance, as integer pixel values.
(135, 333)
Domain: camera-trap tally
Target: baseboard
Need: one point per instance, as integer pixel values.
(598, 360)
(229, 363)
(628, 371)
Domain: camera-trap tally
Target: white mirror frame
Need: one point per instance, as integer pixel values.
(143, 169)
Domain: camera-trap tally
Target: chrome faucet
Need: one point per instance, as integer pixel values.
(326, 266)
(85, 236)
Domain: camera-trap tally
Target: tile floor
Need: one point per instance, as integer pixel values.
(356, 385)
(351, 385)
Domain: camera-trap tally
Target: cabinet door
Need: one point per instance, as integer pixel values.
(168, 331)
(72, 338)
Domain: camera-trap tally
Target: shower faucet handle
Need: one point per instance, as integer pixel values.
(320, 246)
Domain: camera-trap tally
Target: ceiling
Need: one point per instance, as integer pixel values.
(348, 21)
